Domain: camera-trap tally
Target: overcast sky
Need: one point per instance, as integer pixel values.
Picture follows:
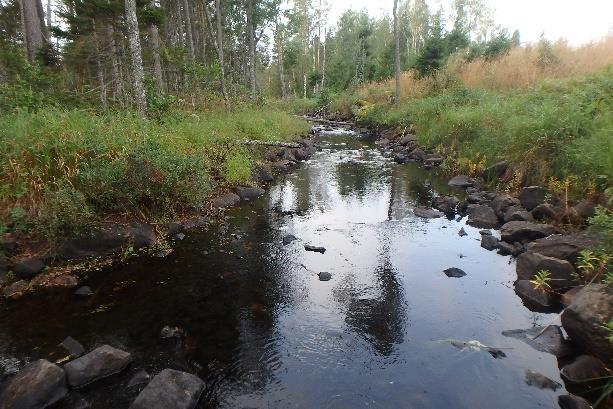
(579, 21)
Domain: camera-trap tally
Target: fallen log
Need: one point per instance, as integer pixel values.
(325, 121)
(271, 143)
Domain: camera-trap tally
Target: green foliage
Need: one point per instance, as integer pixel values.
(18, 217)
(542, 280)
(433, 55)
(602, 223)
(593, 266)
(238, 168)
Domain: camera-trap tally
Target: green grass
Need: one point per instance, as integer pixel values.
(558, 129)
(61, 169)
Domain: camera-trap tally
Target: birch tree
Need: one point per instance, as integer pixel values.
(138, 74)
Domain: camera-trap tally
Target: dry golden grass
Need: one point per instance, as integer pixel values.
(521, 67)
(410, 86)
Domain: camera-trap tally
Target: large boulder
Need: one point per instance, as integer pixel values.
(489, 242)
(461, 181)
(501, 202)
(533, 297)
(532, 196)
(28, 268)
(482, 216)
(39, 385)
(517, 213)
(544, 211)
(170, 389)
(561, 271)
(584, 368)
(584, 318)
(516, 231)
(566, 247)
(100, 363)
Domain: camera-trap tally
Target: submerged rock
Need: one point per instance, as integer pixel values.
(583, 320)
(454, 272)
(540, 381)
(446, 204)
(39, 385)
(515, 231)
(532, 196)
(548, 339)
(324, 276)
(427, 213)
(100, 363)
(170, 389)
(315, 249)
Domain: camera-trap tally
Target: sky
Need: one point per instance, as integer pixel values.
(579, 22)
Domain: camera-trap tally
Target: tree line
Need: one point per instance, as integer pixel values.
(148, 53)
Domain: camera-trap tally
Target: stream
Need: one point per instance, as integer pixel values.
(262, 330)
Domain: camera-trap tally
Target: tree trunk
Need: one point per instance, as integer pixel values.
(99, 70)
(251, 35)
(323, 66)
(188, 28)
(220, 50)
(32, 31)
(49, 16)
(137, 58)
(154, 38)
(397, 38)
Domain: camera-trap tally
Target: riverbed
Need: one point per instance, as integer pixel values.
(263, 331)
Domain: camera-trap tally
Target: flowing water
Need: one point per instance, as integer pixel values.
(264, 332)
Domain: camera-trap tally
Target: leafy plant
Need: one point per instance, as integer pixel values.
(542, 280)
(593, 266)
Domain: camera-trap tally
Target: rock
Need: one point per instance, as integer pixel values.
(100, 363)
(454, 272)
(195, 222)
(462, 232)
(84, 291)
(516, 213)
(565, 247)
(561, 271)
(174, 228)
(8, 244)
(74, 348)
(446, 204)
(110, 239)
(427, 213)
(461, 181)
(179, 236)
(544, 211)
(532, 196)
(315, 249)
(548, 339)
(501, 202)
(401, 158)
(407, 139)
(485, 232)
(567, 298)
(324, 276)
(532, 296)
(289, 239)
(585, 209)
(169, 332)
(482, 216)
(288, 154)
(433, 160)
(75, 401)
(282, 165)
(489, 242)
(39, 385)
(417, 154)
(583, 369)
(170, 389)
(226, 200)
(302, 154)
(248, 194)
(142, 235)
(495, 171)
(475, 198)
(573, 402)
(164, 253)
(16, 289)
(540, 381)
(52, 280)
(273, 155)
(4, 266)
(525, 231)
(583, 320)
(508, 249)
(261, 174)
(28, 268)
(139, 378)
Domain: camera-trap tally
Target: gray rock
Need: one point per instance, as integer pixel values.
(548, 339)
(565, 247)
(461, 181)
(417, 154)
(532, 196)
(170, 389)
(525, 231)
(583, 369)
(495, 171)
(573, 402)
(282, 165)
(482, 216)
(84, 291)
(110, 239)
(401, 158)
(462, 232)
(529, 264)
(540, 381)
(407, 139)
(454, 272)
(288, 239)
(262, 174)
(501, 202)
(75, 401)
(446, 204)
(249, 194)
(141, 377)
(509, 249)
(324, 276)
(583, 320)
(16, 289)
(517, 213)
(585, 209)
(534, 297)
(100, 363)
(28, 268)
(169, 332)
(39, 385)
(226, 200)
(567, 298)
(489, 242)
(74, 348)
(315, 249)
(544, 211)
(427, 213)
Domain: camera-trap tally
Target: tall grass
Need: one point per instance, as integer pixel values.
(66, 168)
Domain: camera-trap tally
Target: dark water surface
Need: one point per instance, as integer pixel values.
(264, 332)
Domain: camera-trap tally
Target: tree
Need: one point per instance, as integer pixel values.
(32, 22)
(138, 74)
(434, 51)
(397, 39)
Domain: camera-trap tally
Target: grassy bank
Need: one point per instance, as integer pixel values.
(64, 170)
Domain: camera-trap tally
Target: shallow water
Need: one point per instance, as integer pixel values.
(264, 332)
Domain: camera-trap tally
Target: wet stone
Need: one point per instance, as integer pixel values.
(454, 272)
(39, 385)
(139, 378)
(73, 347)
(84, 291)
(100, 363)
(461, 181)
(540, 381)
(315, 249)
(427, 213)
(324, 276)
(545, 339)
(489, 242)
(533, 296)
(170, 389)
(249, 194)
(288, 239)
(462, 232)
